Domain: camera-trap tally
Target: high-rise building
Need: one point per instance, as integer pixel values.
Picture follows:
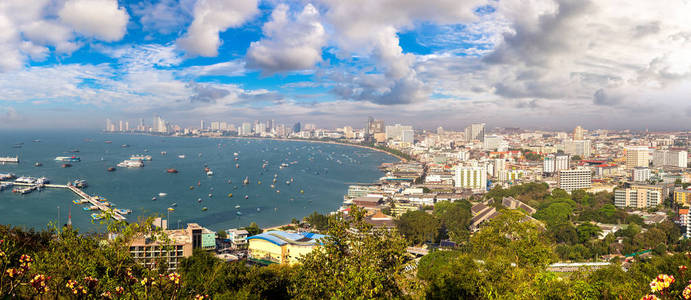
(127, 126)
(245, 129)
(395, 132)
(499, 166)
(121, 126)
(578, 133)
(672, 158)
(259, 128)
(577, 147)
(475, 132)
(109, 125)
(440, 130)
(495, 143)
(348, 132)
(571, 180)
(640, 174)
(201, 125)
(215, 125)
(555, 163)
(408, 136)
(474, 178)
(296, 127)
(638, 196)
(637, 156)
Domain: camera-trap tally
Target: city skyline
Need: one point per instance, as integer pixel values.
(539, 64)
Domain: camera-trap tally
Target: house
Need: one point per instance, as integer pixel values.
(511, 203)
(369, 203)
(237, 237)
(280, 247)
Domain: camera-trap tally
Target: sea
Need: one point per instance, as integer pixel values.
(308, 177)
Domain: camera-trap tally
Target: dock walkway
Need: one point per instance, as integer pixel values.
(102, 207)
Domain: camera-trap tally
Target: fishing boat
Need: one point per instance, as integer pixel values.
(172, 171)
(237, 165)
(278, 191)
(191, 187)
(258, 209)
(153, 198)
(124, 145)
(259, 182)
(199, 200)
(78, 201)
(110, 169)
(235, 154)
(273, 186)
(230, 195)
(209, 173)
(204, 208)
(108, 142)
(164, 153)
(288, 182)
(211, 195)
(302, 192)
(175, 204)
(171, 209)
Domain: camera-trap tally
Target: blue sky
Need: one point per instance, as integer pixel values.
(539, 63)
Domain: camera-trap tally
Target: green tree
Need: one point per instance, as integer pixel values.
(253, 229)
(418, 227)
(318, 221)
(455, 219)
(356, 261)
(586, 231)
(222, 234)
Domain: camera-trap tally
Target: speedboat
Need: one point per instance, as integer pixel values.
(237, 206)
(162, 194)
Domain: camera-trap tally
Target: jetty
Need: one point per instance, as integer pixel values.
(91, 199)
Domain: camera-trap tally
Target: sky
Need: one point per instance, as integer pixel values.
(545, 64)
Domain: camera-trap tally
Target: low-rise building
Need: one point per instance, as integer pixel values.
(638, 196)
(280, 247)
(237, 237)
(682, 197)
(151, 250)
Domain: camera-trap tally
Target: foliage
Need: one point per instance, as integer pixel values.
(318, 221)
(253, 229)
(418, 227)
(356, 261)
(455, 219)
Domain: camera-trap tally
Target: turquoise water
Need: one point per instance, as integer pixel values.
(323, 171)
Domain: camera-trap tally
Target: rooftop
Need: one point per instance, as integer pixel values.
(281, 238)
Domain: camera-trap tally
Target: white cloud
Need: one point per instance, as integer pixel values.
(212, 17)
(289, 44)
(102, 19)
(165, 16)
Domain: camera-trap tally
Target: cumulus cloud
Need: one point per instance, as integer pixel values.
(289, 44)
(165, 16)
(212, 17)
(102, 19)
(206, 93)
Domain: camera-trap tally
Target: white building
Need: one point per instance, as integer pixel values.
(672, 158)
(495, 143)
(640, 174)
(577, 147)
(554, 163)
(474, 178)
(571, 180)
(245, 129)
(395, 132)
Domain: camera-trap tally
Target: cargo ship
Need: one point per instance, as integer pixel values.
(67, 158)
(9, 159)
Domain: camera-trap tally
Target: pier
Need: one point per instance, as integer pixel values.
(91, 199)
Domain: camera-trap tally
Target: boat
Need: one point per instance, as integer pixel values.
(108, 142)
(199, 183)
(288, 182)
(302, 192)
(123, 211)
(237, 206)
(172, 171)
(66, 165)
(211, 195)
(230, 195)
(164, 153)
(247, 197)
(246, 181)
(153, 198)
(206, 169)
(259, 182)
(79, 201)
(204, 208)
(237, 165)
(238, 213)
(80, 183)
(37, 164)
(209, 173)
(6, 186)
(124, 145)
(236, 159)
(140, 157)
(74, 151)
(181, 156)
(175, 204)
(273, 186)
(162, 194)
(17, 145)
(199, 200)
(6, 176)
(67, 158)
(8, 159)
(191, 187)
(36, 141)
(129, 163)
(171, 209)
(235, 154)
(278, 191)
(110, 169)
(96, 216)
(259, 209)
(88, 208)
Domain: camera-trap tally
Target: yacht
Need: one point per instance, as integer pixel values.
(129, 163)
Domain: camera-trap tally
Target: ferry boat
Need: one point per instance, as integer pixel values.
(129, 163)
(67, 158)
(140, 157)
(9, 159)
